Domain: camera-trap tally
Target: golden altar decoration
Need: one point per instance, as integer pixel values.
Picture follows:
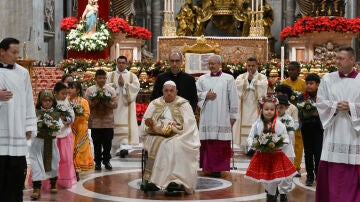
(230, 48)
(196, 56)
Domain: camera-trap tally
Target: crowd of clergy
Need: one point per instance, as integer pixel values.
(319, 117)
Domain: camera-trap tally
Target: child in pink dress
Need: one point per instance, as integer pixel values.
(66, 175)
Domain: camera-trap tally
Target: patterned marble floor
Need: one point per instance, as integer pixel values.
(122, 184)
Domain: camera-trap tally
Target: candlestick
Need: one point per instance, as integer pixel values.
(117, 51)
(282, 62)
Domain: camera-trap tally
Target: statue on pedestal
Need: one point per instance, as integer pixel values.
(90, 15)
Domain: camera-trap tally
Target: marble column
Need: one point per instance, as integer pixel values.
(289, 12)
(157, 18)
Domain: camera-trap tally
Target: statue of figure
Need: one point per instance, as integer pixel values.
(49, 14)
(145, 53)
(186, 20)
(200, 26)
(91, 12)
(268, 19)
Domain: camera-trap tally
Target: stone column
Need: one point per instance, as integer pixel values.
(289, 12)
(157, 18)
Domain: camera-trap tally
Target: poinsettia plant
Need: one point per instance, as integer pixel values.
(68, 23)
(117, 25)
(309, 24)
(139, 32)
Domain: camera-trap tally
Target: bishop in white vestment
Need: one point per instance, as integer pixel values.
(127, 86)
(251, 86)
(172, 142)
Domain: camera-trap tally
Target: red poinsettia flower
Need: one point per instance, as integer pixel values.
(68, 23)
(117, 25)
(321, 24)
(140, 33)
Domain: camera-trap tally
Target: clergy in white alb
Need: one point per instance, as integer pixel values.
(219, 102)
(338, 105)
(17, 120)
(172, 142)
(127, 86)
(251, 86)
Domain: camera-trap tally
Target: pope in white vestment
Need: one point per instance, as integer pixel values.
(172, 142)
(127, 86)
(249, 91)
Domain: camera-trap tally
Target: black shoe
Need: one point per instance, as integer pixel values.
(216, 174)
(271, 198)
(107, 166)
(283, 198)
(77, 176)
(123, 153)
(309, 182)
(148, 186)
(172, 187)
(98, 166)
(298, 174)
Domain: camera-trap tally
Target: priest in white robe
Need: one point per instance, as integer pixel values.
(172, 142)
(338, 105)
(127, 86)
(219, 103)
(251, 86)
(17, 121)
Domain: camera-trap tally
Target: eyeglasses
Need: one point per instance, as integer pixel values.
(174, 61)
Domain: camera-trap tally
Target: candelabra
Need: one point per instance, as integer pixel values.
(257, 23)
(169, 28)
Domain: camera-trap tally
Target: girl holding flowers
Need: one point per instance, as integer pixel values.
(267, 136)
(83, 159)
(66, 176)
(44, 153)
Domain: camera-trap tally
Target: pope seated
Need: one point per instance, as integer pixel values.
(172, 142)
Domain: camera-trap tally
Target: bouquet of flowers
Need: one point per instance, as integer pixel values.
(268, 142)
(63, 109)
(78, 109)
(307, 108)
(102, 95)
(48, 123)
(286, 122)
(294, 97)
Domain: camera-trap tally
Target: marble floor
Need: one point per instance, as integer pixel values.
(122, 184)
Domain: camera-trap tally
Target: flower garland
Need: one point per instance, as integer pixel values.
(309, 24)
(79, 41)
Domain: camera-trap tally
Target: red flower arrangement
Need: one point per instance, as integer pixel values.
(139, 32)
(68, 23)
(140, 111)
(117, 25)
(321, 24)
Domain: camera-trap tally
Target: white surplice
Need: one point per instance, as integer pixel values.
(249, 94)
(341, 128)
(176, 159)
(126, 128)
(215, 114)
(17, 115)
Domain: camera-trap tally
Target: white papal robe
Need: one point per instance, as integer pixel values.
(175, 158)
(126, 128)
(249, 94)
(341, 128)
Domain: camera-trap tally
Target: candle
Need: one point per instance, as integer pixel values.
(172, 6)
(282, 62)
(261, 5)
(117, 51)
(165, 5)
(252, 5)
(257, 5)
